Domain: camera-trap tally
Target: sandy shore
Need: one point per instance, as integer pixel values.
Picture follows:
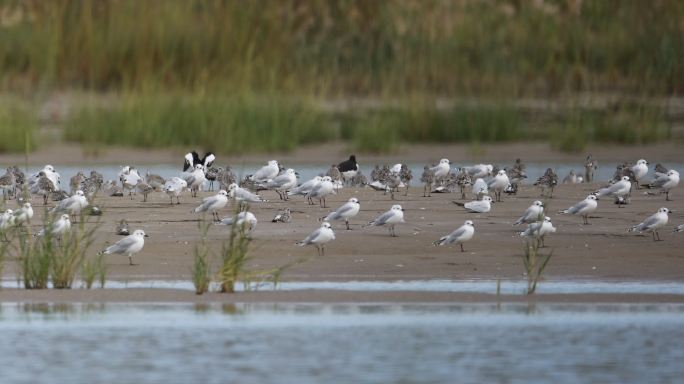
(601, 251)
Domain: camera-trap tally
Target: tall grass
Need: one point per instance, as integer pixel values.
(234, 258)
(350, 46)
(201, 274)
(69, 255)
(45, 258)
(250, 122)
(222, 123)
(36, 257)
(94, 268)
(534, 262)
(17, 124)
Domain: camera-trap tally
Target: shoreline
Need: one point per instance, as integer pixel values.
(173, 296)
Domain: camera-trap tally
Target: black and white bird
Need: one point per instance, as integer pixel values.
(348, 168)
(192, 159)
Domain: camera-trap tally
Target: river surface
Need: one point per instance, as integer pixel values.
(342, 343)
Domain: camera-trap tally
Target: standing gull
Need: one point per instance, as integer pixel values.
(390, 218)
(640, 169)
(283, 183)
(213, 204)
(666, 182)
(533, 213)
(346, 211)
(241, 194)
(538, 230)
(499, 183)
(652, 223)
(619, 190)
(459, 236)
(195, 179)
(321, 190)
(479, 170)
(57, 228)
(173, 187)
(319, 238)
(583, 208)
(306, 187)
(72, 205)
(265, 173)
(23, 214)
(129, 245)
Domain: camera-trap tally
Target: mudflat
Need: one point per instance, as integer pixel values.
(601, 251)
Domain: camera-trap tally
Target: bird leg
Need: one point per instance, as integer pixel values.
(462, 250)
(347, 222)
(667, 196)
(45, 199)
(130, 260)
(322, 250)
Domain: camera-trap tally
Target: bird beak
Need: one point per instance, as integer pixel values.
(402, 209)
(297, 173)
(146, 235)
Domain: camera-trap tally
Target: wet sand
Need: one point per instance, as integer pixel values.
(601, 251)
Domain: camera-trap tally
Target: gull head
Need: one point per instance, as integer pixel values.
(139, 233)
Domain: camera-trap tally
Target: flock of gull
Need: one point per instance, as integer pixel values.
(487, 183)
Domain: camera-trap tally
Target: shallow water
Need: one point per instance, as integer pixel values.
(507, 287)
(301, 343)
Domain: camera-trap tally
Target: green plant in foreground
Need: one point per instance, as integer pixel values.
(200, 271)
(93, 268)
(35, 256)
(535, 262)
(234, 256)
(69, 254)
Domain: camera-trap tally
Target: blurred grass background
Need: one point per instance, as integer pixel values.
(221, 73)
